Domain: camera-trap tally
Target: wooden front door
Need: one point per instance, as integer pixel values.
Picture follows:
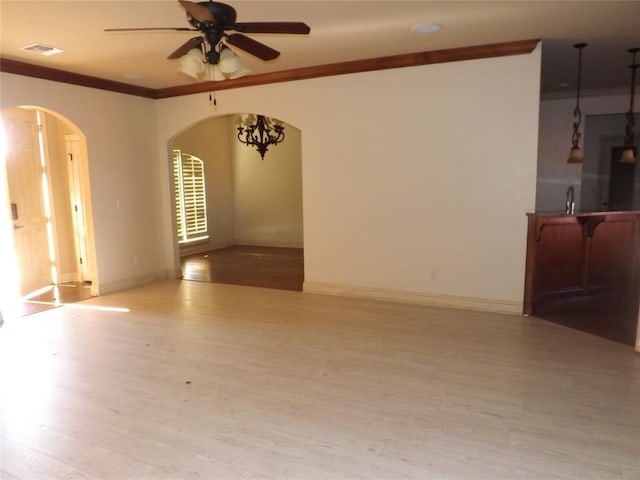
(25, 178)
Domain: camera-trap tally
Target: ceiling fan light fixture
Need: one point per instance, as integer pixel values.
(191, 64)
(229, 62)
(214, 74)
(240, 73)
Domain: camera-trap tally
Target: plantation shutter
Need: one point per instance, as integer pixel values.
(191, 201)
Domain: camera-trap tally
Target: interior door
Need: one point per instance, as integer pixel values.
(621, 182)
(78, 213)
(25, 178)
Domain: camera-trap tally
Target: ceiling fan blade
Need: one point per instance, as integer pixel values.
(298, 28)
(177, 29)
(198, 12)
(186, 46)
(253, 47)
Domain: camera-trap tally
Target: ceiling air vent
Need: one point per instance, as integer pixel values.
(42, 49)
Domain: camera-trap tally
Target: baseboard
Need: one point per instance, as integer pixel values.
(273, 243)
(137, 281)
(69, 278)
(203, 247)
(427, 299)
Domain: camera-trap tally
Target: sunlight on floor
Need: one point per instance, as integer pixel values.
(81, 306)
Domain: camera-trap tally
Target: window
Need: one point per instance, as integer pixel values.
(191, 200)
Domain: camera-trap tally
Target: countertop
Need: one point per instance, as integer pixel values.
(580, 213)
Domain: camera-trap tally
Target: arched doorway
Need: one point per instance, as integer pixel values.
(254, 230)
(46, 212)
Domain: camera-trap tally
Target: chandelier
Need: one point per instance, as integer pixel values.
(260, 132)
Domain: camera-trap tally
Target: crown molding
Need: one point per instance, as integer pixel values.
(63, 76)
(358, 66)
(520, 47)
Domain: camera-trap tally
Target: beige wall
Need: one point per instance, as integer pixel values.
(415, 181)
(209, 141)
(268, 193)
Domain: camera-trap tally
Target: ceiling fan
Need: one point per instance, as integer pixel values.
(213, 20)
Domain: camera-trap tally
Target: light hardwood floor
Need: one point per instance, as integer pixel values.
(211, 381)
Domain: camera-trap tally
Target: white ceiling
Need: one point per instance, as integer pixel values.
(340, 31)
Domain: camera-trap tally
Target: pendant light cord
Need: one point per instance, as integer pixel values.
(629, 135)
(575, 139)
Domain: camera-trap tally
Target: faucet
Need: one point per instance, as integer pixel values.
(570, 205)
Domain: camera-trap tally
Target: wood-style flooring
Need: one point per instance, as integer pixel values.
(267, 267)
(210, 381)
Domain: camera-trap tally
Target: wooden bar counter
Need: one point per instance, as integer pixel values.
(582, 261)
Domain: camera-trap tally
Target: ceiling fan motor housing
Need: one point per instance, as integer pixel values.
(225, 16)
(213, 20)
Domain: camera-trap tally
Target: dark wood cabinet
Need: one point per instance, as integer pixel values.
(581, 258)
(583, 263)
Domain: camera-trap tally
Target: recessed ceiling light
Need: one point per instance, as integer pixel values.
(40, 49)
(425, 27)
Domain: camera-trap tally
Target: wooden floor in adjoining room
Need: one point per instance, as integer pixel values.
(253, 266)
(211, 381)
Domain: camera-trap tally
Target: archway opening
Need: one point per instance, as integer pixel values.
(253, 214)
(46, 220)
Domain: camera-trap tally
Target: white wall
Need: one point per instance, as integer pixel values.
(122, 145)
(556, 126)
(415, 181)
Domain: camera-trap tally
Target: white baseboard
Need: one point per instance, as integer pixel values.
(272, 243)
(111, 287)
(427, 299)
(69, 278)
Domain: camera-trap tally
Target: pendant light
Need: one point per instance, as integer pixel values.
(575, 155)
(628, 154)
